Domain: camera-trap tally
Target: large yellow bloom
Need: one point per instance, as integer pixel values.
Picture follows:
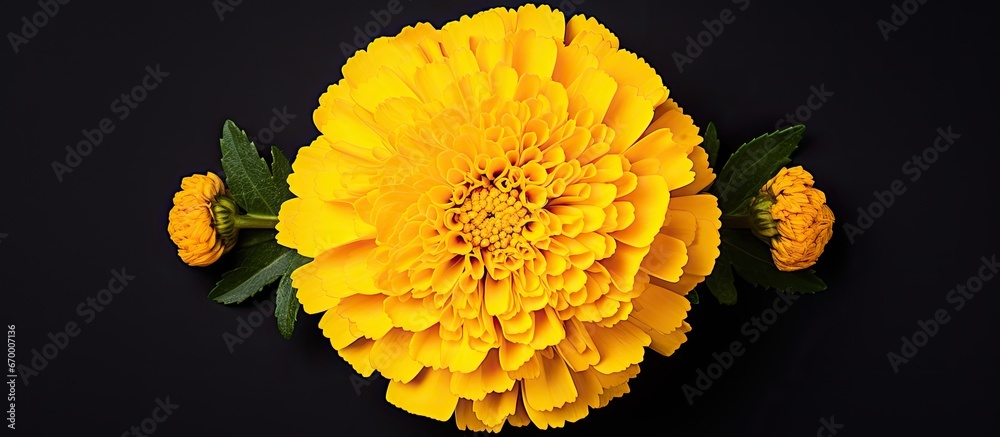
(192, 224)
(504, 213)
(794, 218)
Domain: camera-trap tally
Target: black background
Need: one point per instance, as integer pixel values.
(824, 357)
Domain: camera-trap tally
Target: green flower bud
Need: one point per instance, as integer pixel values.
(761, 221)
(224, 213)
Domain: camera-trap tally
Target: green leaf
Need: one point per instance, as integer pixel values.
(252, 237)
(693, 297)
(711, 144)
(260, 265)
(280, 169)
(254, 187)
(752, 260)
(286, 305)
(721, 282)
(752, 165)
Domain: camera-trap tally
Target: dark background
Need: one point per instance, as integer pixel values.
(826, 356)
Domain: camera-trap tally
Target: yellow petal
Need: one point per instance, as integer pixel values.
(666, 344)
(549, 329)
(593, 90)
(681, 225)
(682, 126)
(674, 164)
(494, 408)
(652, 193)
(337, 329)
(624, 264)
(571, 61)
(620, 346)
(459, 356)
(704, 249)
(350, 129)
(427, 395)
(703, 174)
(580, 26)
(488, 378)
(666, 259)
(411, 314)
(630, 70)
(390, 356)
(614, 392)
(465, 417)
(366, 312)
(425, 347)
(344, 271)
(315, 173)
(534, 55)
(547, 23)
(609, 380)
(384, 85)
(313, 226)
(552, 388)
(357, 355)
(588, 387)
(469, 32)
(514, 355)
(662, 310)
(498, 296)
(577, 348)
(628, 114)
(310, 291)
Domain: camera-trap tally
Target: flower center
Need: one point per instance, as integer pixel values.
(493, 219)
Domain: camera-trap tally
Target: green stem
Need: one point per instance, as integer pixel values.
(256, 221)
(736, 221)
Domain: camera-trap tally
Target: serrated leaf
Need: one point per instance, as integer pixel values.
(711, 144)
(252, 183)
(752, 261)
(280, 169)
(260, 265)
(286, 305)
(752, 165)
(721, 282)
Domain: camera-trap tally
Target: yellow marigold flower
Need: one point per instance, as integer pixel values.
(793, 217)
(194, 226)
(503, 213)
